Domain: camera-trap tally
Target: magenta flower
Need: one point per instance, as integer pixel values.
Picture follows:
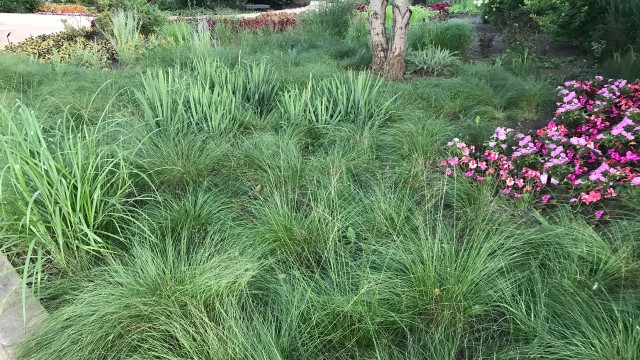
(590, 143)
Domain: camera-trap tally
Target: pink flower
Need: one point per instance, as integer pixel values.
(591, 197)
(593, 152)
(569, 97)
(468, 174)
(598, 214)
(448, 171)
(543, 178)
(510, 181)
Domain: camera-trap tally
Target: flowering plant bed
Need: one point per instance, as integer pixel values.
(276, 22)
(63, 9)
(588, 153)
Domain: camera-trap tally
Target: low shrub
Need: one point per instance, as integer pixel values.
(602, 27)
(442, 9)
(588, 153)
(623, 66)
(61, 45)
(283, 4)
(19, 6)
(108, 5)
(62, 9)
(188, 4)
(276, 22)
(506, 12)
(433, 60)
(419, 13)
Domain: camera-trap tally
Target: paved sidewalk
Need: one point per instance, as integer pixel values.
(20, 26)
(12, 323)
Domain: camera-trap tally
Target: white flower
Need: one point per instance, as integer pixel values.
(478, 2)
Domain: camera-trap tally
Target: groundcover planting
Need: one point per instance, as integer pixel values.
(218, 192)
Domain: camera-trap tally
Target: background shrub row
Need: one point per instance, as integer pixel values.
(602, 27)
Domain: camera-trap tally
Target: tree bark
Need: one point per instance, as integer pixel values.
(388, 58)
(394, 66)
(377, 26)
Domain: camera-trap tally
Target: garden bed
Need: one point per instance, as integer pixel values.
(247, 189)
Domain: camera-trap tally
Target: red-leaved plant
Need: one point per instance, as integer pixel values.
(277, 22)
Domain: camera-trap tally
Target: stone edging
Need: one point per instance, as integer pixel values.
(12, 325)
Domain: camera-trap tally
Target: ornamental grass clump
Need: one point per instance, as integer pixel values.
(124, 34)
(434, 60)
(66, 195)
(588, 153)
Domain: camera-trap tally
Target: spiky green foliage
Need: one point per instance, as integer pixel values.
(434, 60)
(66, 194)
(354, 98)
(301, 213)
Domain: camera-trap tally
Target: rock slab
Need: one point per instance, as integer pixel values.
(13, 326)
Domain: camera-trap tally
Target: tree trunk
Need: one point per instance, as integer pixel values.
(377, 26)
(394, 66)
(388, 59)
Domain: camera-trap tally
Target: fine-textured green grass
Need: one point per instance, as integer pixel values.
(257, 199)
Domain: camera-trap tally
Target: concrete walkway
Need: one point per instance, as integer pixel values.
(20, 26)
(12, 323)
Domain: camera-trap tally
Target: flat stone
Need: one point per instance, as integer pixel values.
(13, 324)
(4, 355)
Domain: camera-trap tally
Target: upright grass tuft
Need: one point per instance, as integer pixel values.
(124, 34)
(172, 101)
(356, 98)
(66, 195)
